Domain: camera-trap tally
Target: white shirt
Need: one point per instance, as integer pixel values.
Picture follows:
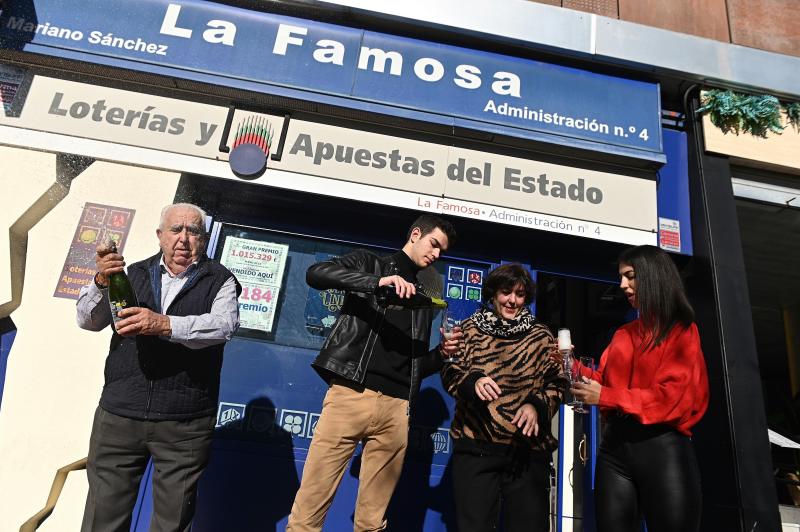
(194, 332)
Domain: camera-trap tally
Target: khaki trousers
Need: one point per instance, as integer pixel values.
(351, 414)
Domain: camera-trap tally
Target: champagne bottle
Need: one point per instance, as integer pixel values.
(386, 296)
(120, 291)
(565, 348)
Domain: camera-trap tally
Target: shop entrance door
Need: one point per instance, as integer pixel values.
(592, 310)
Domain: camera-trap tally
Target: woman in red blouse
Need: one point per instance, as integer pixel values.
(652, 388)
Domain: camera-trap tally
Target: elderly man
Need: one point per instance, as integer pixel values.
(161, 374)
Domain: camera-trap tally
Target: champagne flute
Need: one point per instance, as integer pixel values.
(449, 324)
(575, 376)
(570, 367)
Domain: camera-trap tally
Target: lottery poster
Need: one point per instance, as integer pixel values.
(97, 223)
(259, 268)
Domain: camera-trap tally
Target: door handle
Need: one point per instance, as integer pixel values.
(582, 450)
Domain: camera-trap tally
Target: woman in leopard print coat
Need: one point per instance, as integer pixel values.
(507, 389)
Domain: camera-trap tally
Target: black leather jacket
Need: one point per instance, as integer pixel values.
(348, 348)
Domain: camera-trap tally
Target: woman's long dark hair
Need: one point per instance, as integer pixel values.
(659, 292)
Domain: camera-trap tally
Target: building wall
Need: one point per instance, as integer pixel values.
(55, 369)
(704, 18)
(25, 177)
(776, 152)
(763, 24)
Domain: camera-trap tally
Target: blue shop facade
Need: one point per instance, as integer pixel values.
(359, 124)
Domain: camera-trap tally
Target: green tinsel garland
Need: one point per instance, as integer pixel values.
(748, 113)
(793, 114)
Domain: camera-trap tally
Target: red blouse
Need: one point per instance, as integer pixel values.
(666, 384)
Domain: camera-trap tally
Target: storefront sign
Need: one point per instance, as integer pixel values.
(98, 223)
(434, 177)
(496, 186)
(125, 117)
(259, 268)
(191, 38)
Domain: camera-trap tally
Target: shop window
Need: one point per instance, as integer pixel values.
(771, 250)
(286, 310)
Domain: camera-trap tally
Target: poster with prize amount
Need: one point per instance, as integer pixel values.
(259, 268)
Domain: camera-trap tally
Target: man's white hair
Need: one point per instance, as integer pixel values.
(166, 210)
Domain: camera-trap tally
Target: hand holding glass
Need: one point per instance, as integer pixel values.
(575, 376)
(449, 326)
(570, 367)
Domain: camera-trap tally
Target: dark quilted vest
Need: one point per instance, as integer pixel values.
(150, 378)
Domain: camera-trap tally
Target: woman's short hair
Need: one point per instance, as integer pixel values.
(659, 291)
(506, 277)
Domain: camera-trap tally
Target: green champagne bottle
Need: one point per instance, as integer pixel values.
(386, 296)
(120, 291)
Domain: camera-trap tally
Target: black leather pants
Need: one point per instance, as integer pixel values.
(489, 486)
(646, 471)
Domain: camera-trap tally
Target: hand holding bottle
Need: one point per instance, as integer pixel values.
(395, 292)
(139, 320)
(108, 262)
(402, 288)
(111, 274)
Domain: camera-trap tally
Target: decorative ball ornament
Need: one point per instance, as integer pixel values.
(248, 161)
(251, 145)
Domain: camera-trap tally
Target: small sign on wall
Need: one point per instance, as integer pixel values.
(669, 234)
(98, 223)
(259, 268)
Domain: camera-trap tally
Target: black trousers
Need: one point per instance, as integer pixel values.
(646, 471)
(119, 450)
(519, 483)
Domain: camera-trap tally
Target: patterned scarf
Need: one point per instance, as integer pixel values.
(494, 325)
